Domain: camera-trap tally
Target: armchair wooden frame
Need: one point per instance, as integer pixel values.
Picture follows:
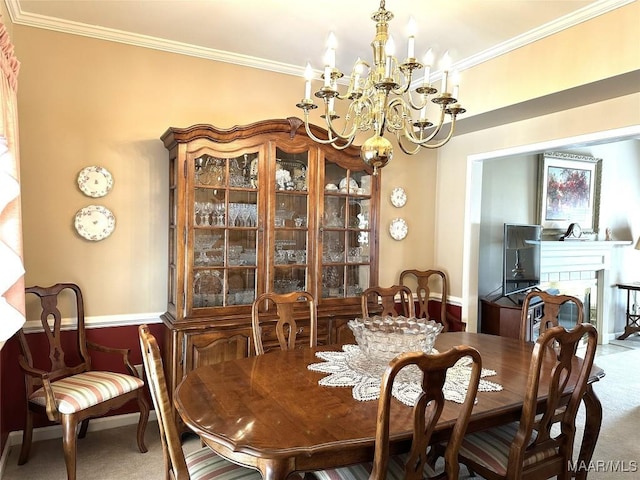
(385, 297)
(38, 379)
(286, 326)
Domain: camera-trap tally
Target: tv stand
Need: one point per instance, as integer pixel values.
(503, 316)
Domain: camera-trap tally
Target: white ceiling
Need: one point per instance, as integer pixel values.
(283, 36)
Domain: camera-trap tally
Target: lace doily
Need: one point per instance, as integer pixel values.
(351, 368)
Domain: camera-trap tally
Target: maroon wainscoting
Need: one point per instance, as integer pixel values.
(12, 398)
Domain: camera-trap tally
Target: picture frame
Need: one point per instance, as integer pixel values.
(569, 191)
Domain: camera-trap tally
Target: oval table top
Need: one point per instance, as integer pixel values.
(269, 411)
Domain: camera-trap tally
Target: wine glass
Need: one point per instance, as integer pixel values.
(197, 211)
(233, 214)
(244, 214)
(207, 210)
(253, 215)
(218, 210)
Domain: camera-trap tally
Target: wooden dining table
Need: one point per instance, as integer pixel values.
(269, 412)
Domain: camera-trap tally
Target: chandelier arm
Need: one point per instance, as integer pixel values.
(328, 141)
(403, 148)
(445, 140)
(410, 135)
(335, 133)
(415, 105)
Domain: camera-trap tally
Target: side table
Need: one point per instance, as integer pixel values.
(633, 315)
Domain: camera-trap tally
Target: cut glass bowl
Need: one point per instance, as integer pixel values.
(384, 338)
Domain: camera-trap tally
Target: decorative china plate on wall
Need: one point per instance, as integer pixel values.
(398, 197)
(95, 222)
(398, 229)
(95, 181)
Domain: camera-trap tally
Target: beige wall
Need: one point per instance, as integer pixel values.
(89, 102)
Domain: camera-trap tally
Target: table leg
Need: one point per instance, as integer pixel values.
(593, 421)
(276, 469)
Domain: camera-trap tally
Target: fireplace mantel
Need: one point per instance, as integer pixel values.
(574, 260)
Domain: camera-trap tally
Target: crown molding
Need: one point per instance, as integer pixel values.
(102, 33)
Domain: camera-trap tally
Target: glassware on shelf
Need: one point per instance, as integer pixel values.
(233, 213)
(218, 214)
(197, 209)
(244, 214)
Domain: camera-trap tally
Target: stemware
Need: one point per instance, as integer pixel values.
(245, 212)
(207, 210)
(197, 208)
(218, 210)
(253, 215)
(233, 214)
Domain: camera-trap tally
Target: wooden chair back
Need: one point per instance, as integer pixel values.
(91, 394)
(283, 311)
(426, 411)
(175, 464)
(554, 368)
(551, 312)
(63, 363)
(425, 281)
(376, 297)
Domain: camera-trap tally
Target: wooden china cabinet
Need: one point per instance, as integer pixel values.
(262, 208)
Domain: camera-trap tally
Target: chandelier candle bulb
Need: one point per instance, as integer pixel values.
(455, 78)
(428, 61)
(411, 44)
(332, 43)
(446, 65)
(389, 50)
(308, 76)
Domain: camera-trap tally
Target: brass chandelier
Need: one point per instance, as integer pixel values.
(382, 100)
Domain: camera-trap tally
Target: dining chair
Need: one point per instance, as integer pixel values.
(63, 385)
(376, 297)
(425, 280)
(280, 311)
(530, 448)
(203, 463)
(426, 412)
(551, 308)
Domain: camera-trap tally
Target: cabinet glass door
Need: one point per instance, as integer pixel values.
(291, 222)
(346, 232)
(225, 230)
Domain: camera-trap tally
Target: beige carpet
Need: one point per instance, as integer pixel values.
(113, 454)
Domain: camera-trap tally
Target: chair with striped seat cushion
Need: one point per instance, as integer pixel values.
(203, 464)
(60, 380)
(533, 448)
(426, 413)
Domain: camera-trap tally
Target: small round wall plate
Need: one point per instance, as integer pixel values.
(398, 197)
(398, 229)
(95, 181)
(95, 222)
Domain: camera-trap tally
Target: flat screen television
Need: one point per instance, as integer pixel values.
(521, 258)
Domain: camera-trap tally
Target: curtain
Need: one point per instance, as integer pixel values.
(12, 308)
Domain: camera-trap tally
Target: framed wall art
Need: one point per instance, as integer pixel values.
(569, 191)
